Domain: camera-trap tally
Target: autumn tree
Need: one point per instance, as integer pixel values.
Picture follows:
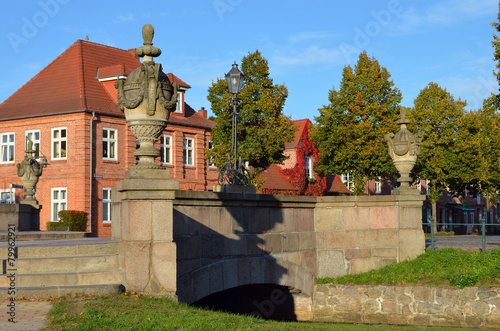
(263, 129)
(437, 115)
(349, 132)
(496, 54)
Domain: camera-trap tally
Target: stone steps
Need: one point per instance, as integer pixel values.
(44, 235)
(52, 268)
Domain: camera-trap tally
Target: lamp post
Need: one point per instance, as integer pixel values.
(237, 175)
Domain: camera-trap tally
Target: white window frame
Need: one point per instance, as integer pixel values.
(59, 140)
(11, 195)
(166, 149)
(378, 185)
(62, 204)
(110, 145)
(106, 204)
(36, 142)
(309, 167)
(188, 151)
(347, 181)
(211, 163)
(180, 101)
(7, 147)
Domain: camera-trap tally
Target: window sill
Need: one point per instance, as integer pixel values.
(110, 161)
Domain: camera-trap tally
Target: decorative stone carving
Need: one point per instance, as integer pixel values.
(30, 171)
(404, 147)
(147, 97)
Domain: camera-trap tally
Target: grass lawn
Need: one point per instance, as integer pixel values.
(130, 311)
(448, 267)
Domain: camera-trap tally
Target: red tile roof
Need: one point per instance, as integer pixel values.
(70, 83)
(300, 124)
(274, 179)
(334, 185)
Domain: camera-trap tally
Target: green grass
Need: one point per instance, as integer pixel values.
(130, 311)
(443, 267)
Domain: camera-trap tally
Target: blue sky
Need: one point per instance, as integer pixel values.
(307, 43)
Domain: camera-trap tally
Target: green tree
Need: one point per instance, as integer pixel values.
(263, 129)
(496, 54)
(349, 132)
(437, 115)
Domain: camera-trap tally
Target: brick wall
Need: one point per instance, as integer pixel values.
(73, 173)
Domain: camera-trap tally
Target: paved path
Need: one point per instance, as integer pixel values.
(29, 315)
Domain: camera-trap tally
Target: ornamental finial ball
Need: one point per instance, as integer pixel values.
(148, 33)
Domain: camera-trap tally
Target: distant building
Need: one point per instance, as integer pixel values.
(70, 112)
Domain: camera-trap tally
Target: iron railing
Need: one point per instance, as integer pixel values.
(482, 224)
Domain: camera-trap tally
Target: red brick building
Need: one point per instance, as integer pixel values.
(70, 112)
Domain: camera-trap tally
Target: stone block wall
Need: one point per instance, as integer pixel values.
(358, 234)
(24, 217)
(226, 240)
(470, 307)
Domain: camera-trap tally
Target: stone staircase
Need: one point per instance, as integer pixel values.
(53, 268)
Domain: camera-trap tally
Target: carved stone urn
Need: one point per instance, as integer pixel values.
(147, 97)
(404, 147)
(30, 171)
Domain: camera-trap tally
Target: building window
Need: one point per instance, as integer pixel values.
(106, 205)
(180, 101)
(378, 185)
(7, 196)
(347, 181)
(188, 151)
(109, 145)
(166, 149)
(59, 202)
(34, 137)
(7, 147)
(309, 167)
(59, 142)
(211, 162)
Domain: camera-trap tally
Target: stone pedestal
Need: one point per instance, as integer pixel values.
(143, 221)
(24, 217)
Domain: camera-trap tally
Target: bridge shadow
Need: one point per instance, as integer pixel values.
(230, 256)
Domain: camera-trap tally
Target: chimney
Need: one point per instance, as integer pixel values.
(86, 38)
(203, 112)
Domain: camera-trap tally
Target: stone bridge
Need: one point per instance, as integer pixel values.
(190, 245)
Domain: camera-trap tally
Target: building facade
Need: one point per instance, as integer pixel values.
(69, 111)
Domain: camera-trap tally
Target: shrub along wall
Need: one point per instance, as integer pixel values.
(471, 307)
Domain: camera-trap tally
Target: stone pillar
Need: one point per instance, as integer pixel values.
(411, 237)
(145, 227)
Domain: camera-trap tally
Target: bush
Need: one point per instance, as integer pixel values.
(56, 226)
(74, 219)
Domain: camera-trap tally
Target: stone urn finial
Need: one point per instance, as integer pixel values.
(404, 147)
(30, 171)
(147, 97)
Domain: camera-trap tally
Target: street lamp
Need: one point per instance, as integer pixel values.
(239, 174)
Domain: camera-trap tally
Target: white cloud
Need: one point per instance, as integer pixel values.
(312, 35)
(125, 17)
(310, 56)
(442, 13)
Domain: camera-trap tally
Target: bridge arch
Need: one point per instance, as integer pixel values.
(233, 272)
